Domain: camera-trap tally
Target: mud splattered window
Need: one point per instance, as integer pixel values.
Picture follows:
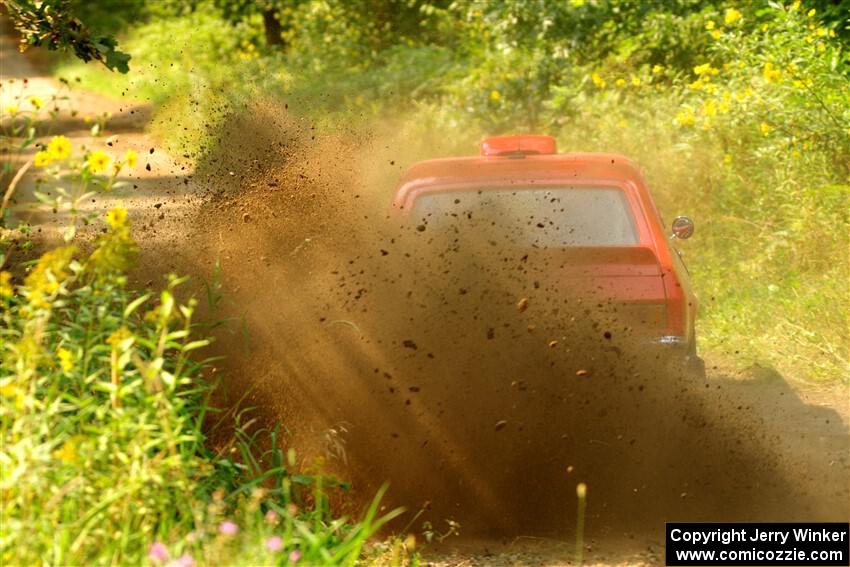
(541, 217)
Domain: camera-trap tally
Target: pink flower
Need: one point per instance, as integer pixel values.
(274, 543)
(294, 556)
(272, 517)
(228, 528)
(158, 553)
(185, 560)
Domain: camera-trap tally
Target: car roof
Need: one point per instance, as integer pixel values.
(498, 171)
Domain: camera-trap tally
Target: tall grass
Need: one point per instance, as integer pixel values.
(104, 455)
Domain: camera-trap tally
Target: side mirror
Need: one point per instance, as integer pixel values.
(683, 227)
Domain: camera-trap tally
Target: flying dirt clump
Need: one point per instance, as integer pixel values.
(462, 370)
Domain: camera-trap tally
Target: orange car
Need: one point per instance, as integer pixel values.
(595, 206)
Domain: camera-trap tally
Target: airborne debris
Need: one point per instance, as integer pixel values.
(582, 372)
(522, 304)
(501, 424)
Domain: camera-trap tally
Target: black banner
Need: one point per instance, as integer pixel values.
(758, 544)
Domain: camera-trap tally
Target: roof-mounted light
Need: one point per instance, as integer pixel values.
(518, 146)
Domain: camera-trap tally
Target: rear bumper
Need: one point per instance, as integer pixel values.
(672, 341)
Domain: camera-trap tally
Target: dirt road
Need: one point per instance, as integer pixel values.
(157, 193)
(381, 382)
(398, 364)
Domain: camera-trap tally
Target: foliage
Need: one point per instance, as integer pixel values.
(51, 24)
(104, 458)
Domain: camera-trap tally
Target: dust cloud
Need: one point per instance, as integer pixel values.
(461, 369)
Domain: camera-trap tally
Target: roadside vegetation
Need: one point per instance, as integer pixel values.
(739, 114)
(105, 422)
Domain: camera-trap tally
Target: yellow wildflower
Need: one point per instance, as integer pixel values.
(59, 148)
(796, 5)
(46, 277)
(12, 390)
(6, 289)
(770, 73)
(727, 158)
(598, 80)
(36, 102)
(636, 81)
(812, 13)
(765, 128)
(709, 25)
(732, 15)
(709, 108)
(119, 336)
(9, 390)
(117, 217)
(831, 33)
(685, 117)
(132, 158)
(97, 161)
(657, 69)
(621, 83)
(705, 70)
(41, 159)
(66, 359)
(716, 34)
(495, 95)
(696, 85)
(68, 452)
(11, 109)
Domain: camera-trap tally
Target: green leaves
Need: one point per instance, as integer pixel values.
(111, 57)
(51, 24)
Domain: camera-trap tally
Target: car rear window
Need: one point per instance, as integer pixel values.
(535, 216)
